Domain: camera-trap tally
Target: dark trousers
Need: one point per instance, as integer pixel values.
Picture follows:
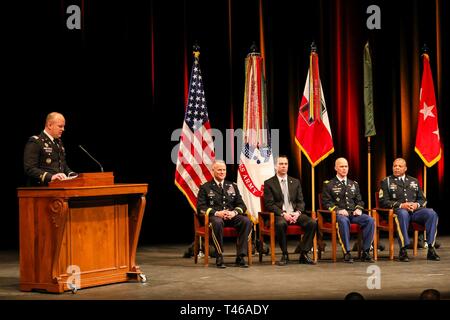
(306, 222)
(367, 224)
(243, 226)
(425, 216)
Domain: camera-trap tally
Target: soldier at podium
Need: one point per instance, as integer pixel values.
(44, 155)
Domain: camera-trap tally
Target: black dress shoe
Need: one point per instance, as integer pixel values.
(403, 255)
(263, 248)
(240, 262)
(348, 258)
(219, 262)
(322, 246)
(432, 255)
(284, 260)
(305, 259)
(365, 257)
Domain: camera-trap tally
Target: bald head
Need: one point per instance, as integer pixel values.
(54, 124)
(340, 161)
(341, 167)
(52, 117)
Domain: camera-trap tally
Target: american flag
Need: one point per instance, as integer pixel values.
(196, 151)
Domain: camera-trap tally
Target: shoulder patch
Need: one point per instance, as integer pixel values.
(326, 181)
(35, 137)
(380, 194)
(356, 182)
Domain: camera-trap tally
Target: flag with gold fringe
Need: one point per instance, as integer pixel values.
(428, 144)
(313, 134)
(256, 160)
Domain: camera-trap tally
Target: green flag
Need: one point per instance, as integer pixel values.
(369, 121)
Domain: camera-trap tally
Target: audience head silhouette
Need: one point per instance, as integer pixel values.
(430, 294)
(354, 296)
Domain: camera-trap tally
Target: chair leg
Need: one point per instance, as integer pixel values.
(261, 246)
(391, 243)
(333, 245)
(359, 244)
(315, 248)
(196, 245)
(416, 240)
(206, 259)
(272, 246)
(250, 256)
(375, 245)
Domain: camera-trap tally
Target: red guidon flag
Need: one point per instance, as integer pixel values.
(428, 144)
(313, 135)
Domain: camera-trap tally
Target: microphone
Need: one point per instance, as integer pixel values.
(81, 147)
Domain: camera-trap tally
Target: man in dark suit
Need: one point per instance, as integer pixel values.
(403, 194)
(343, 195)
(283, 196)
(222, 202)
(44, 155)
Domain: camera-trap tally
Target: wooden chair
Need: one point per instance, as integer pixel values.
(329, 225)
(201, 230)
(384, 219)
(266, 221)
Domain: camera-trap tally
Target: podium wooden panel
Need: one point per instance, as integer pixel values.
(79, 232)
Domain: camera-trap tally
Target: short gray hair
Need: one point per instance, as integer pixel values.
(217, 162)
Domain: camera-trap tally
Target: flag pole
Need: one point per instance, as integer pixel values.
(196, 53)
(368, 117)
(313, 207)
(313, 213)
(424, 51)
(369, 171)
(425, 180)
(313, 204)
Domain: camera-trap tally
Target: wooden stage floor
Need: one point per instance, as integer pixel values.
(172, 277)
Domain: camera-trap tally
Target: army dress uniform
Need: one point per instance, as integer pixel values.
(338, 195)
(397, 190)
(213, 197)
(43, 158)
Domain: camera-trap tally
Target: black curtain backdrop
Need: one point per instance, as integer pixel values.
(120, 82)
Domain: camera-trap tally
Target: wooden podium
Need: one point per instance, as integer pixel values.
(79, 233)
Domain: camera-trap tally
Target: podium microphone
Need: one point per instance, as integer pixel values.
(81, 147)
